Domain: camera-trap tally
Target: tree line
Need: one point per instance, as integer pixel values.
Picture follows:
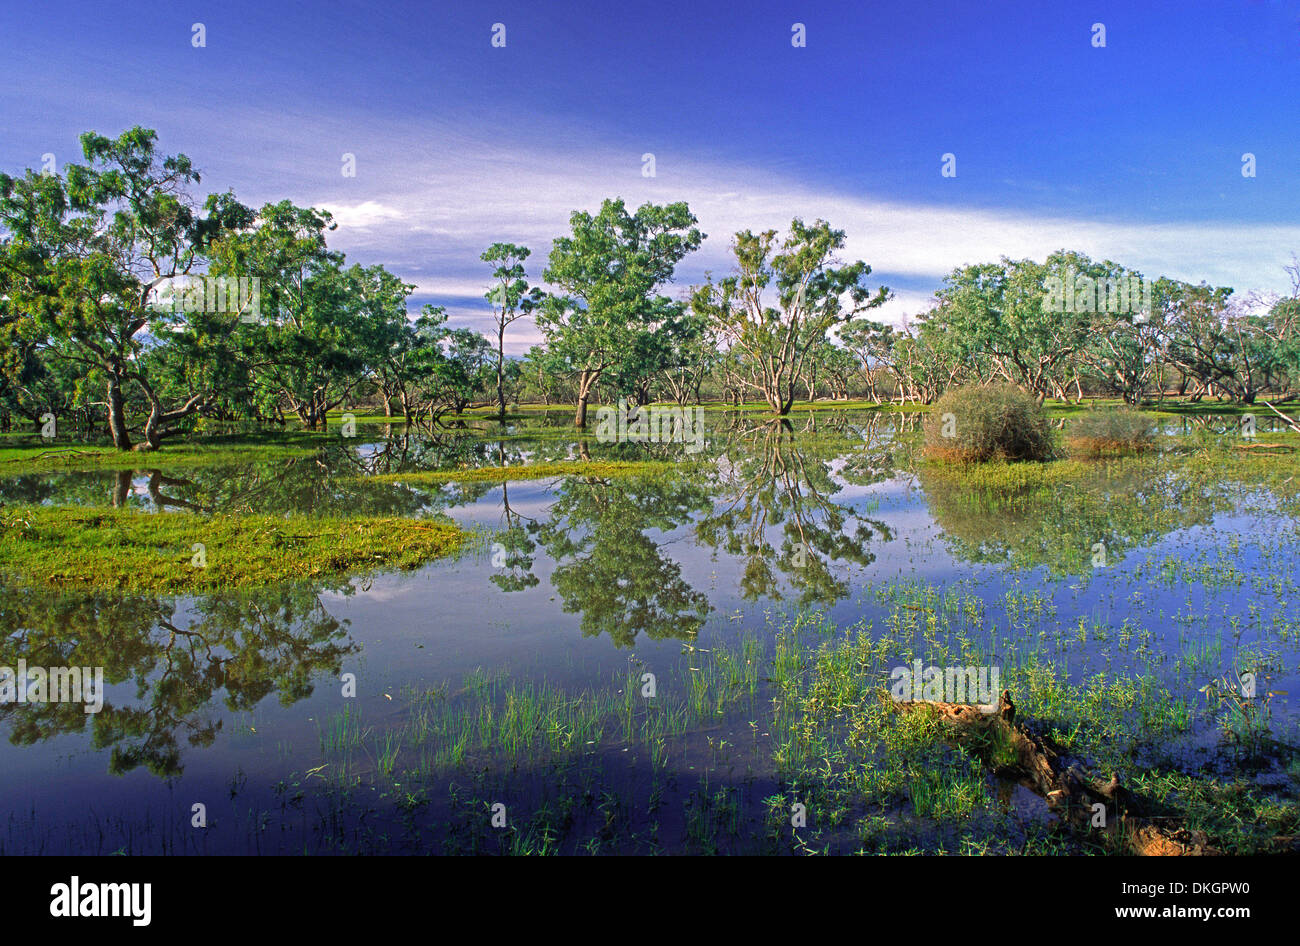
(110, 320)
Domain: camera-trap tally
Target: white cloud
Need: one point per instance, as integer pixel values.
(904, 304)
(437, 215)
(428, 212)
(362, 216)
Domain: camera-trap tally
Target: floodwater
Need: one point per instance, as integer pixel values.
(581, 583)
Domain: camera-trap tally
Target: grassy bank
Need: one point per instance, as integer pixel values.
(27, 458)
(117, 549)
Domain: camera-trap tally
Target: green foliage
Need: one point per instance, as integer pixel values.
(511, 299)
(85, 258)
(610, 316)
(773, 343)
(83, 254)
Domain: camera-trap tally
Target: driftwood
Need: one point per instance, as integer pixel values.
(1010, 750)
(1290, 422)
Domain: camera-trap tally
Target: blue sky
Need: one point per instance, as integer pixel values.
(1132, 151)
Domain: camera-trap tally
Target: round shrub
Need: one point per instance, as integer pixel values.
(1112, 431)
(988, 422)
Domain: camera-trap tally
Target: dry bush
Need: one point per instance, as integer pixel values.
(988, 422)
(1111, 432)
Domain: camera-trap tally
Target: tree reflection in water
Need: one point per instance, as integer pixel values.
(612, 571)
(773, 477)
(241, 645)
(609, 570)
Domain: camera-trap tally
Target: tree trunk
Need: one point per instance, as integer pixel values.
(117, 413)
(151, 434)
(501, 371)
(585, 383)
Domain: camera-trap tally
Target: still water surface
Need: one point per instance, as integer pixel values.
(575, 581)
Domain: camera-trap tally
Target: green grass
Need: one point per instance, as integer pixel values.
(808, 714)
(1000, 476)
(73, 457)
(174, 552)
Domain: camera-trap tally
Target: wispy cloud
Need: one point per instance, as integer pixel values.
(430, 217)
(362, 216)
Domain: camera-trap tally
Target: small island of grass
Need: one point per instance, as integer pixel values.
(104, 548)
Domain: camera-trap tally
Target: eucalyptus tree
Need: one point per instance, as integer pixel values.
(1280, 325)
(323, 328)
(339, 337)
(84, 252)
(693, 356)
(1123, 354)
(1120, 350)
(437, 369)
(923, 362)
(801, 276)
(542, 375)
(610, 316)
(839, 367)
(31, 385)
(511, 298)
(469, 356)
(999, 310)
(425, 373)
(732, 376)
(289, 348)
(411, 354)
(871, 344)
(1210, 340)
(381, 328)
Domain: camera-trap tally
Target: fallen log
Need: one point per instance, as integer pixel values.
(1289, 421)
(1010, 750)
